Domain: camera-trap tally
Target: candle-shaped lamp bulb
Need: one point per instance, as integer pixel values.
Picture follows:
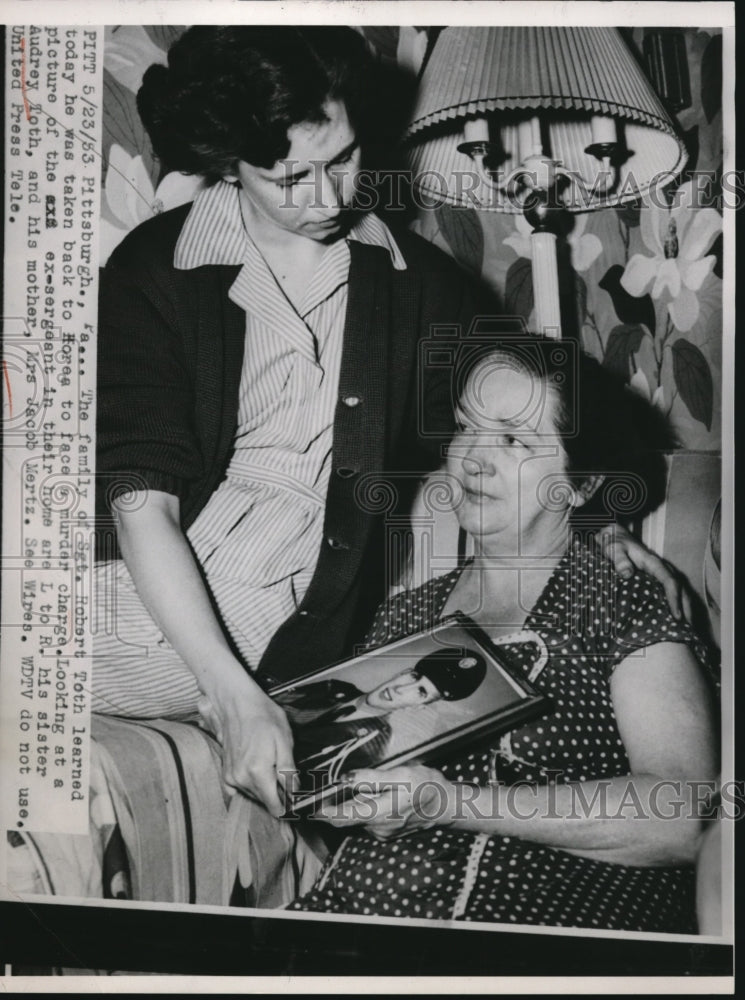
(476, 130)
(603, 130)
(529, 138)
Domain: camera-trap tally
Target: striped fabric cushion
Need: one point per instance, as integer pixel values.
(163, 830)
(164, 781)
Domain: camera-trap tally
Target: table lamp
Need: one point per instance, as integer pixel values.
(540, 120)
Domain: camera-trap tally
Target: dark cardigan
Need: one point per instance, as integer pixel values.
(170, 351)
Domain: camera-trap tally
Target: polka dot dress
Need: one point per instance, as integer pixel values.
(589, 619)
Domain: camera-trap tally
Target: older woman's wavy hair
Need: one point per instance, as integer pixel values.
(606, 428)
(231, 93)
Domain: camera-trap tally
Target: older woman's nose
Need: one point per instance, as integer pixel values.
(477, 465)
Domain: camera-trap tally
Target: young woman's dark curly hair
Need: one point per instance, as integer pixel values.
(231, 93)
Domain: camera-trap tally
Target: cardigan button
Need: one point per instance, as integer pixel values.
(335, 543)
(347, 471)
(352, 401)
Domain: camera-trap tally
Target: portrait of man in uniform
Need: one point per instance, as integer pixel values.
(338, 727)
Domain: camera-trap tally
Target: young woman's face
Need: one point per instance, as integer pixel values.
(307, 192)
(510, 462)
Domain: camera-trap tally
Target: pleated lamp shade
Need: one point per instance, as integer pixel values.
(565, 76)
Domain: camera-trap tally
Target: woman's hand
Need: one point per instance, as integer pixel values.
(628, 554)
(392, 803)
(256, 740)
(254, 732)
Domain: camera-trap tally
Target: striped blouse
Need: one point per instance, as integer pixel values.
(258, 537)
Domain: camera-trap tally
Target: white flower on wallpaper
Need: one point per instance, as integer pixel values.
(678, 239)
(640, 384)
(130, 198)
(585, 247)
(129, 52)
(411, 48)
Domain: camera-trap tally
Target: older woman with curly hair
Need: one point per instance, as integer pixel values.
(581, 817)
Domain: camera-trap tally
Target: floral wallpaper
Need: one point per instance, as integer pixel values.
(641, 285)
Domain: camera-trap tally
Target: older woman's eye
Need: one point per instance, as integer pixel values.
(514, 442)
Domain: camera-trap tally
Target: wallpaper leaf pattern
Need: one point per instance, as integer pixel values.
(518, 296)
(462, 230)
(623, 342)
(121, 123)
(693, 380)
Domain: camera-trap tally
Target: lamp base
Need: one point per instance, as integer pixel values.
(546, 283)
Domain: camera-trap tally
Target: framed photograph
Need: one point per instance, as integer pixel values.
(416, 699)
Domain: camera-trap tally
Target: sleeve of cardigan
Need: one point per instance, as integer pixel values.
(145, 437)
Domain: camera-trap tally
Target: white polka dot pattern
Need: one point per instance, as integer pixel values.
(590, 619)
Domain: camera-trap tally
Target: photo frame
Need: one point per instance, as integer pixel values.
(480, 695)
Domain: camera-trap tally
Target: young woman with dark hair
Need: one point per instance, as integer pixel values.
(231, 94)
